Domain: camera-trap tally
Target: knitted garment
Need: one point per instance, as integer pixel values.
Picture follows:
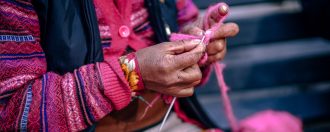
(33, 99)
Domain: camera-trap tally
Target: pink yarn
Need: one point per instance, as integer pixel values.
(177, 36)
(208, 33)
(271, 121)
(224, 95)
(266, 121)
(213, 130)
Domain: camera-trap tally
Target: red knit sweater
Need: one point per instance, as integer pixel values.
(33, 99)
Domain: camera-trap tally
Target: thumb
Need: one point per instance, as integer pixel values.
(189, 58)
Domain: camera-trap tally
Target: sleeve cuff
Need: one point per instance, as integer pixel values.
(116, 87)
(131, 69)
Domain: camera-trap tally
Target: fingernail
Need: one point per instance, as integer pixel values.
(223, 9)
(196, 41)
(200, 33)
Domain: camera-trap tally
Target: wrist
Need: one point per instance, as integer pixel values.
(130, 67)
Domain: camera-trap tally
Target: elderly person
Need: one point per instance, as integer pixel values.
(81, 64)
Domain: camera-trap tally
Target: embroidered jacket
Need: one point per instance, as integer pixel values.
(33, 99)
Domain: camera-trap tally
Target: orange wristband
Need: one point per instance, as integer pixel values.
(131, 70)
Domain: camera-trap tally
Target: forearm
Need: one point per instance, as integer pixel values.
(69, 102)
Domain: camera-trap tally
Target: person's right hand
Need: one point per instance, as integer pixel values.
(171, 68)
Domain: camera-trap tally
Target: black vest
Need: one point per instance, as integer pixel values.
(70, 36)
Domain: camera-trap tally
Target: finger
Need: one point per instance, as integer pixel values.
(189, 58)
(219, 13)
(188, 85)
(179, 47)
(190, 75)
(186, 92)
(218, 57)
(197, 23)
(212, 22)
(226, 30)
(216, 46)
(193, 30)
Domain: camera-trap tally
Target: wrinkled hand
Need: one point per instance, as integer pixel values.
(171, 68)
(216, 49)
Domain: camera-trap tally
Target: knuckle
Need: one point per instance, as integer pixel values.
(169, 45)
(180, 77)
(166, 67)
(165, 64)
(162, 68)
(219, 46)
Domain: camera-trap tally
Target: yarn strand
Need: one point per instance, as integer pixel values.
(205, 39)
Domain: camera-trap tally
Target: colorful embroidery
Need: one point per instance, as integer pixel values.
(82, 99)
(131, 72)
(25, 115)
(21, 56)
(43, 110)
(16, 38)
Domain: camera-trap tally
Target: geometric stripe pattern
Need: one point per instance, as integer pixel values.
(16, 38)
(23, 125)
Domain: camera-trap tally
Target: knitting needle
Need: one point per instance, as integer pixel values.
(167, 114)
(203, 38)
(173, 101)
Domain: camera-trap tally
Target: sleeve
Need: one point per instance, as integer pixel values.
(33, 99)
(187, 12)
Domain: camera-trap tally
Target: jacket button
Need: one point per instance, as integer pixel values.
(124, 31)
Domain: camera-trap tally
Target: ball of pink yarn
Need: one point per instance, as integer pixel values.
(271, 121)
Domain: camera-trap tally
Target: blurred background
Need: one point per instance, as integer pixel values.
(280, 60)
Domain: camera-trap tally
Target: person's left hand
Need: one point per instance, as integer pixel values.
(216, 49)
